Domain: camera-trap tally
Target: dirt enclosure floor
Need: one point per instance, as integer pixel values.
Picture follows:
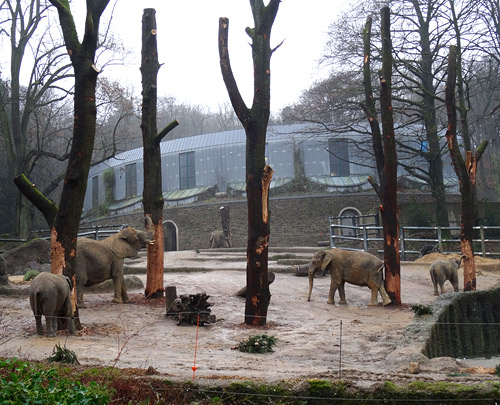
(314, 339)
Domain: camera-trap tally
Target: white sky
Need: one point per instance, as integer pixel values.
(188, 47)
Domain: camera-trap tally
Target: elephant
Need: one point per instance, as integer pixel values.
(243, 291)
(50, 295)
(101, 260)
(217, 240)
(443, 270)
(354, 267)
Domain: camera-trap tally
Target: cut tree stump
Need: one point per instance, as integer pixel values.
(188, 307)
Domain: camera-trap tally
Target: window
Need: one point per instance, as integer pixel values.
(130, 180)
(95, 192)
(187, 174)
(339, 157)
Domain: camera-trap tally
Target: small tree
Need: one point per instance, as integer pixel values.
(466, 171)
(258, 174)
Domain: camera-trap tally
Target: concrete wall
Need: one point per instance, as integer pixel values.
(295, 221)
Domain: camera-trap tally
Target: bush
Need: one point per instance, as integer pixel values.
(258, 344)
(26, 384)
(30, 275)
(421, 309)
(63, 355)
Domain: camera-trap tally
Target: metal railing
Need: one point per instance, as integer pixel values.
(96, 232)
(413, 240)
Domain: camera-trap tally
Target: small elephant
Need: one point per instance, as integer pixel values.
(50, 295)
(217, 240)
(101, 260)
(354, 267)
(443, 270)
(243, 291)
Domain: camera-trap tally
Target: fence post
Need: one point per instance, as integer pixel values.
(402, 237)
(96, 237)
(440, 240)
(365, 238)
(332, 234)
(483, 246)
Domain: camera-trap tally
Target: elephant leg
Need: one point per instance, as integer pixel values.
(124, 292)
(331, 295)
(441, 286)
(39, 327)
(117, 289)
(79, 297)
(385, 298)
(374, 299)
(51, 325)
(342, 294)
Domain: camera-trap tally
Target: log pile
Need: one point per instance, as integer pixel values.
(186, 309)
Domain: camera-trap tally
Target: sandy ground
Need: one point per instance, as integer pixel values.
(315, 340)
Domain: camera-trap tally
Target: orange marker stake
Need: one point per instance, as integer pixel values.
(196, 345)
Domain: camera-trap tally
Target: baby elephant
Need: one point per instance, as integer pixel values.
(442, 270)
(50, 296)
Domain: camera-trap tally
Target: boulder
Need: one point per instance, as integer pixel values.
(18, 259)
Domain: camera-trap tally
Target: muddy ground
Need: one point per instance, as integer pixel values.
(314, 339)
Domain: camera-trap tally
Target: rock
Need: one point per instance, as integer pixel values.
(414, 367)
(131, 282)
(4, 279)
(19, 258)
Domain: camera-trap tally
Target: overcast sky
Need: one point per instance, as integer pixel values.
(188, 47)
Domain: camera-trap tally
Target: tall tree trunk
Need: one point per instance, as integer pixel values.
(433, 155)
(67, 221)
(258, 174)
(152, 195)
(466, 172)
(384, 147)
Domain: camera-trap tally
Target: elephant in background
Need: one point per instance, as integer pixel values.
(443, 270)
(101, 260)
(353, 267)
(50, 295)
(217, 240)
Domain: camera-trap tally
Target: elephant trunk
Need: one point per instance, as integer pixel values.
(311, 281)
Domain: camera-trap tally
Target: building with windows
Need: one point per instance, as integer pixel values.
(341, 163)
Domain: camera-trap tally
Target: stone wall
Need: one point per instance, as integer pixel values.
(468, 326)
(295, 221)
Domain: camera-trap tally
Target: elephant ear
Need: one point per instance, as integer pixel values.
(124, 244)
(327, 258)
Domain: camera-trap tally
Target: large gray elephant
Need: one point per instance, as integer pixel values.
(217, 240)
(353, 267)
(101, 260)
(50, 296)
(443, 270)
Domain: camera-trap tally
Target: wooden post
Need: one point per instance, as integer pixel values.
(226, 223)
(171, 296)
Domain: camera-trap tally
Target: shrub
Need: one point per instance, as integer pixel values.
(63, 355)
(421, 309)
(258, 344)
(30, 275)
(27, 384)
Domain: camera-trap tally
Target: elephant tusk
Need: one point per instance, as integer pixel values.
(152, 242)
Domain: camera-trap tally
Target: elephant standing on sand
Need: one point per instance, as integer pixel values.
(50, 295)
(353, 267)
(217, 240)
(443, 270)
(101, 260)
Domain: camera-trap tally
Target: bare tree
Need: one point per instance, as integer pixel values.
(21, 23)
(466, 168)
(152, 195)
(384, 147)
(258, 174)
